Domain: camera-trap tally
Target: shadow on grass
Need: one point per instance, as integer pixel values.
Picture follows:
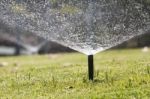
(86, 80)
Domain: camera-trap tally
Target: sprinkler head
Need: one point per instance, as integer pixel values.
(90, 67)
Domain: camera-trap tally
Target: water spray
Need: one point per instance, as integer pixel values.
(87, 26)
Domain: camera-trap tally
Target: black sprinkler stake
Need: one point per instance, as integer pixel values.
(90, 67)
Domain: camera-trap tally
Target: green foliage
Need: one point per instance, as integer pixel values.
(66, 8)
(18, 8)
(119, 74)
(147, 1)
(69, 9)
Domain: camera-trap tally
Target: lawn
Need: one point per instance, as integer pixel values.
(121, 74)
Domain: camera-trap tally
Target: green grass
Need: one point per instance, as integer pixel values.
(121, 74)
